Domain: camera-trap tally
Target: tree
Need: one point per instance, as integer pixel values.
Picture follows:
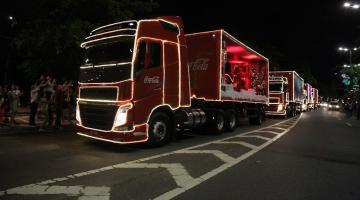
(48, 42)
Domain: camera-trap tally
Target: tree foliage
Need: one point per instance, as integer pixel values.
(48, 40)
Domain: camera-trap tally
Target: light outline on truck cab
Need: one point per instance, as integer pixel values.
(132, 79)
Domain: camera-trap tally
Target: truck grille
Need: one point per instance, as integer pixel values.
(97, 116)
(99, 93)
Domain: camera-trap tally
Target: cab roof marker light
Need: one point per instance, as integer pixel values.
(123, 22)
(104, 38)
(113, 31)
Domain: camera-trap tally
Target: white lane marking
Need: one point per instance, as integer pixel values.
(192, 182)
(84, 193)
(177, 191)
(221, 155)
(177, 170)
(347, 123)
(255, 136)
(245, 144)
(282, 129)
(265, 131)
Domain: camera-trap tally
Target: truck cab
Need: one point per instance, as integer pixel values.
(278, 96)
(129, 72)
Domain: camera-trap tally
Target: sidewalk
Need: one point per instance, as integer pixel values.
(23, 126)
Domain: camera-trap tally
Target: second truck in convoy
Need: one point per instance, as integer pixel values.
(285, 93)
(142, 80)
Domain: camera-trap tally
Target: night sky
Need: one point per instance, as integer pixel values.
(305, 33)
(293, 34)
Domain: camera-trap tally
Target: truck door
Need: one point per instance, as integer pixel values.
(148, 78)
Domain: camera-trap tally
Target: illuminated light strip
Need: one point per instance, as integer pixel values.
(221, 61)
(163, 66)
(132, 73)
(248, 48)
(104, 38)
(180, 66)
(102, 83)
(179, 53)
(108, 25)
(105, 65)
(116, 30)
(222, 100)
(98, 100)
(116, 87)
(202, 33)
(220, 97)
(112, 141)
(293, 81)
(133, 60)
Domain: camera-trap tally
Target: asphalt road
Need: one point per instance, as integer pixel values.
(315, 156)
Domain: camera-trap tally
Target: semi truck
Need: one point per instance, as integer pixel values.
(308, 98)
(143, 80)
(315, 98)
(285, 93)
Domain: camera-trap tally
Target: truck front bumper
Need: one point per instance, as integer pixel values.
(275, 113)
(138, 134)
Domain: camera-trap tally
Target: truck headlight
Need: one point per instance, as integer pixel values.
(280, 107)
(337, 106)
(303, 107)
(121, 115)
(77, 114)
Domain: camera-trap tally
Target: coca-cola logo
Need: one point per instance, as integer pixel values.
(200, 64)
(154, 79)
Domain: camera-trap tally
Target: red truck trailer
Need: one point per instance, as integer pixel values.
(315, 97)
(143, 80)
(285, 93)
(308, 99)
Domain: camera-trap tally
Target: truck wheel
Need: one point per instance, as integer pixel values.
(218, 124)
(230, 121)
(159, 130)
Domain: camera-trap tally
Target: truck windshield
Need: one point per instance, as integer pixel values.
(108, 62)
(120, 50)
(277, 87)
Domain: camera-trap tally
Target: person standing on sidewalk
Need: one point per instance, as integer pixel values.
(34, 104)
(13, 104)
(59, 101)
(2, 100)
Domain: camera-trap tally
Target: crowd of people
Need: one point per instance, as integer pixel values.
(51, 101)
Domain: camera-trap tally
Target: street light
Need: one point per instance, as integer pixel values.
(350, 50)
(351, 5)
(12, 22)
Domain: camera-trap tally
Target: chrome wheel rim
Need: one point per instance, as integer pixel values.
(159, 130)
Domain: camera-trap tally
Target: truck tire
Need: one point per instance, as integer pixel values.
(159, 130)
(230, 120)
(218, 122)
